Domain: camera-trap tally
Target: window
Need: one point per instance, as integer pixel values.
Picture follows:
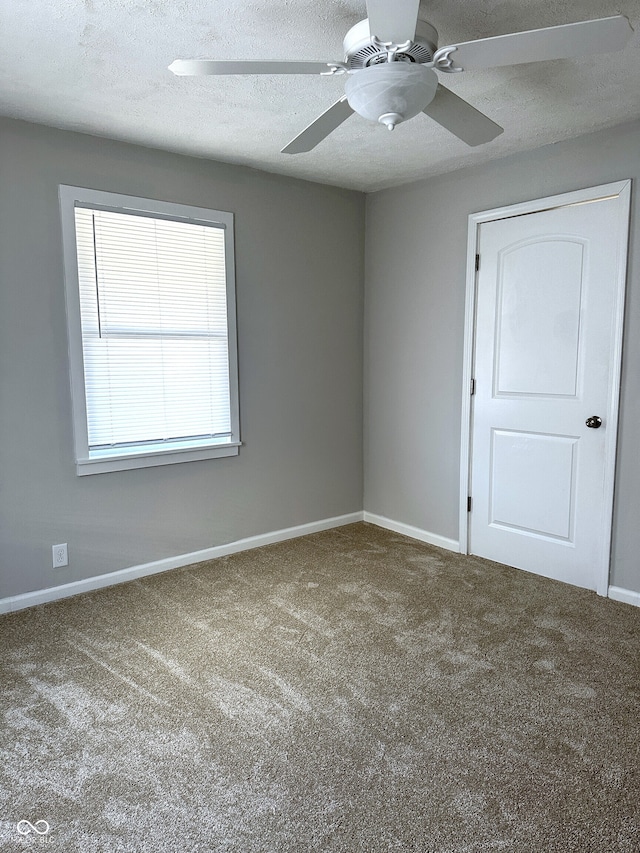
(152, 333)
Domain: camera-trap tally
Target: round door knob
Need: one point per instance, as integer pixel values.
(594, 422)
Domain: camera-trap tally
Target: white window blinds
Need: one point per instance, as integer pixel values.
(151, 309)
(154, 329)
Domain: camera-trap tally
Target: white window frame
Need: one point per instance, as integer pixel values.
(95, 462)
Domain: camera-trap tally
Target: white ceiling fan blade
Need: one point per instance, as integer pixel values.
(568, 40)
(320, 128)
(200, 67)
(461, 119)
(393, 20)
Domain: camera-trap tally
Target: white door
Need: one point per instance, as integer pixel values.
(550, 287)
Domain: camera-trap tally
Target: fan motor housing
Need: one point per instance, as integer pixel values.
(362, 49)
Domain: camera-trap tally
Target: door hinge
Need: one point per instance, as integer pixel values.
(469, 504)
(473, 387)
(477, 262)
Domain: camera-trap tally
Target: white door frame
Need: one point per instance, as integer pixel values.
(618, 189)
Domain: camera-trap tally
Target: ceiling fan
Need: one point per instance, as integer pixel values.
(391, 58)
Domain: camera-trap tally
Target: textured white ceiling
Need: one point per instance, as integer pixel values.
(100, 66)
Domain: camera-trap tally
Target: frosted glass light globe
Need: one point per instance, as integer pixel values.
(391, 92)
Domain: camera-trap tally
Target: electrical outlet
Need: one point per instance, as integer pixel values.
(60, 556)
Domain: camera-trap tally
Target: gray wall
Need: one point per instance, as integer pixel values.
(299, 252)
(414, 319)
(300, 307)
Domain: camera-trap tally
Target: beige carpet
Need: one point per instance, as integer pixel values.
(353, 690)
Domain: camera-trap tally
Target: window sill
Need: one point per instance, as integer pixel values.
(126, 462)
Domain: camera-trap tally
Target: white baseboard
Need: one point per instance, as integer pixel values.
(413, 532)
(43, 596)
(618, 593)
